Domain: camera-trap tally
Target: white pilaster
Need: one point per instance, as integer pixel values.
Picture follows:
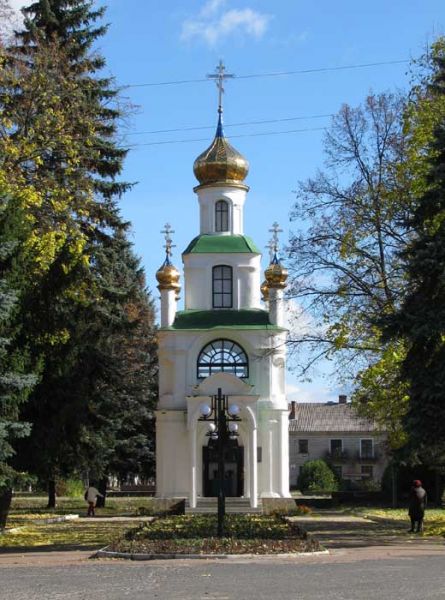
(253, 468)
(284, 452)
(192, 497)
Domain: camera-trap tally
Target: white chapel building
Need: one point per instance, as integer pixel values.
(226, 337)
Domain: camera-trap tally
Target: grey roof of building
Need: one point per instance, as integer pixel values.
(323, 418)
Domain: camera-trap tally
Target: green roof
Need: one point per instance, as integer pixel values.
(224, 244)
(223, 319)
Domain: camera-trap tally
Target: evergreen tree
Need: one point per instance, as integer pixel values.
(421, 319)
(15, 381)
(80, 369)
(72, 24)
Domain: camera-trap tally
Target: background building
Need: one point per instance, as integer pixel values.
(352, 445)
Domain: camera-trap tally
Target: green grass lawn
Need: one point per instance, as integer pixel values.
(71, 534)
(434, 518)
(63, 536)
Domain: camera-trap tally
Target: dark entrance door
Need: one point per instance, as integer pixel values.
(233, 469)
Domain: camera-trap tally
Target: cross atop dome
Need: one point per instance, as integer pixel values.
(220, 163)
(219, 76)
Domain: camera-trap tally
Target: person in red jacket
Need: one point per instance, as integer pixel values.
(417, 506)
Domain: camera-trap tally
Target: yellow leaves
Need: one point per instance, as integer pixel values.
(57, 338)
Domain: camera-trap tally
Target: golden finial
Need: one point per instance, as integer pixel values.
(168, 275)
(220, 163)
(276, 274)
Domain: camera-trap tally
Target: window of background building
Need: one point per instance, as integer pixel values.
(222, 286)
(303, 446)
(367, 471)
(336, 446)
(366, 448)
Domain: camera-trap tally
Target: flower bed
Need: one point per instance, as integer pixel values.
(245, 534)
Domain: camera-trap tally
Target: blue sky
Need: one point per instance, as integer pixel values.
(152, 42)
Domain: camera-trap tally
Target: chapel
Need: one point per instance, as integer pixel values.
(230, 336)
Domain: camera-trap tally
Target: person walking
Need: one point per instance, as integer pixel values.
(417, 506)
(91, 495)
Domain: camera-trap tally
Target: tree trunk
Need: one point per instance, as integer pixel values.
(5, 505)
(102, 487)
(394, 485)
(51, 494)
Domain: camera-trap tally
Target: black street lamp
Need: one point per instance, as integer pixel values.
(223, 426)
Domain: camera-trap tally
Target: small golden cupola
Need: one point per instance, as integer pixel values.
(220, 163)
(265, 291)
(276, 275)
(168, 275)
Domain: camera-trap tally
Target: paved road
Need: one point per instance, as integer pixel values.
(341, 576)
(367, 560)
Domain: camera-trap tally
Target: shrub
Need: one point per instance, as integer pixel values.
(316, 476)
(72, 488)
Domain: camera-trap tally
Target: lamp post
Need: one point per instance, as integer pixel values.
(222, 420)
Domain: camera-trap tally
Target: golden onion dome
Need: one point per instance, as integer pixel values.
(220, 163)
(276, 275)
(168, 277)
(265, 291)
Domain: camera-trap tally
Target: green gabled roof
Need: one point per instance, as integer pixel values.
(223, 319)
(224, 244)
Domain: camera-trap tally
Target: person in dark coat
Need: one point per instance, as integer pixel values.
(417, 506)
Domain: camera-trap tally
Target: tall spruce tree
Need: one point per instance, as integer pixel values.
(421, 319)
(15, 380)
(72, 428)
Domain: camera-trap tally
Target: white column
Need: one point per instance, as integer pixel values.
(284, 455)
(276, 306)
(253, 467)
(192, 496)
(247, 461)
(168, 307)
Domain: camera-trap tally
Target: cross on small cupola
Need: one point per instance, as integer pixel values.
(167, 232)
(168, 278)
(274, 243)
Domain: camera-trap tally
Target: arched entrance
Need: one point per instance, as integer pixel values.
(233, 469)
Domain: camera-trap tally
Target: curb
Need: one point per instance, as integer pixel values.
(104, 553)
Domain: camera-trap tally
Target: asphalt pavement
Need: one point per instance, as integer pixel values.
(335, 577)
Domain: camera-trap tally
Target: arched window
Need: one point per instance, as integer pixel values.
(225, 356)
(221, 216)
(222, 287)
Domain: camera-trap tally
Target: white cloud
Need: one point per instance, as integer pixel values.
(211, 7)
(213, 23)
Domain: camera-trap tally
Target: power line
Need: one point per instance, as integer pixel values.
(273, 74)
(241, 135)
(266, 121)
